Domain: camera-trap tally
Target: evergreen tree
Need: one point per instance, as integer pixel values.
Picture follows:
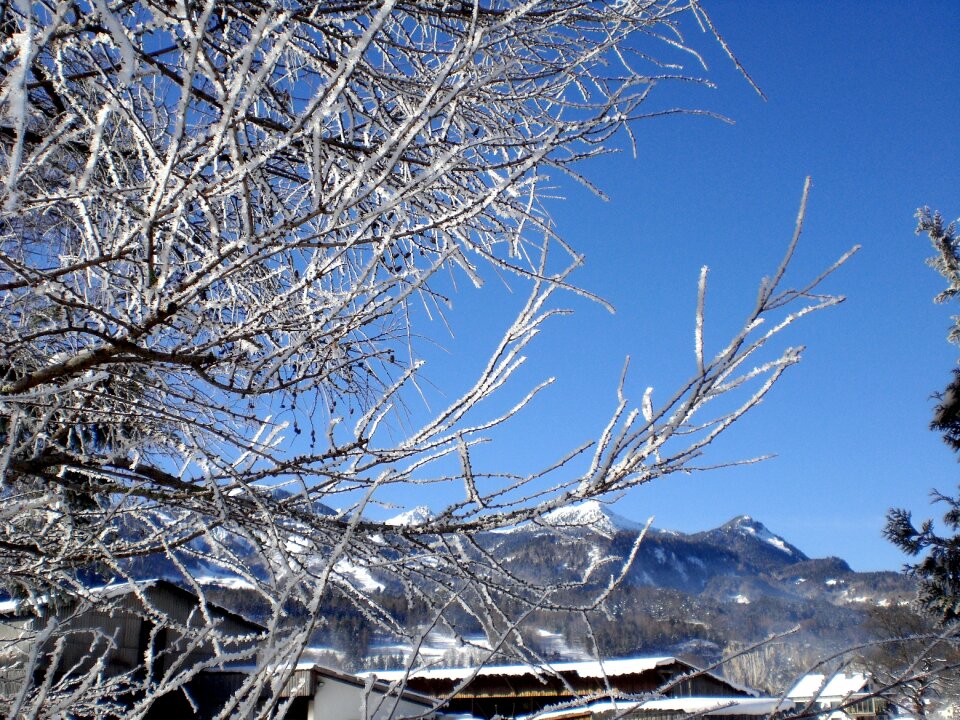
(939, 571)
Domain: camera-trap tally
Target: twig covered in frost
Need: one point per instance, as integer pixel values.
(218, 219)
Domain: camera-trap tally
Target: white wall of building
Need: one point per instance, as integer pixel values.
(338, 700)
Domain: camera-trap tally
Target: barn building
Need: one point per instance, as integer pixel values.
(517, 690)
(145, 618)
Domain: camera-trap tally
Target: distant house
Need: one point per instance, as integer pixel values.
(319, 692)
(148, 618)
(840, 696)
(518, 690)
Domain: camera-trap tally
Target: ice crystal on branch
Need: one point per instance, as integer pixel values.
(217, 216)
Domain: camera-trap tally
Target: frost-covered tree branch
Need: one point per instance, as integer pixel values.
(218, 219)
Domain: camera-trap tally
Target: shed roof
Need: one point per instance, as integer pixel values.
(717, 706)
(307, 673)
(585, 669)
(816, 685)
(115, 590)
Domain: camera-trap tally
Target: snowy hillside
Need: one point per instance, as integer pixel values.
(691, 594)
(416, 516)
(591, 516)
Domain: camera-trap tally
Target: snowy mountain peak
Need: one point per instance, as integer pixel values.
(417, 516)
(747, 526)
(591, 515)
(742, 521)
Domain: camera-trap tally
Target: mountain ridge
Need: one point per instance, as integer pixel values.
(701, 594)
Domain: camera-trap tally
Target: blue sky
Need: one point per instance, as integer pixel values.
(863, 97)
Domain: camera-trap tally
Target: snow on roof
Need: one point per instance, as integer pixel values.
(688, 705)
(585, 669)
(116, 590)
(718, 705)
(379, 684)
(12, 607)
(839, 686)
